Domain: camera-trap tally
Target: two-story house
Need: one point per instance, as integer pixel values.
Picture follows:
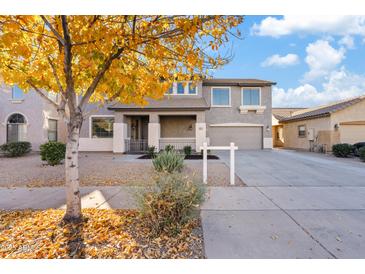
(218, 111)
(29, 117)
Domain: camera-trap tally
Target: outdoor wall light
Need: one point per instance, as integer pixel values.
(336, 126)
(267, 128)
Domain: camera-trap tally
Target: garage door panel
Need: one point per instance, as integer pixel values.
(243, 137)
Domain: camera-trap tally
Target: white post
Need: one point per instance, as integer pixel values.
(231, 164)
(205, 163)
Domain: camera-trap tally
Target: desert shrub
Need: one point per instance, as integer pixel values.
(169, 148)
(187, 150)
(151, 151)
(362, 153)
(170, 203)
(16, 149)
(168, 161)
(342, 150)
(53, 152)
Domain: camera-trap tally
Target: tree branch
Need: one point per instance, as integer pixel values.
(42, 94)
(99, 76)
(54, 31)
(54, 71)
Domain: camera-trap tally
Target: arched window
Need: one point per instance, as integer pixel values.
(16, 128)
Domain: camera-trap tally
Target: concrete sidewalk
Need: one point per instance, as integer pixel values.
(54, 197)
(296, 205)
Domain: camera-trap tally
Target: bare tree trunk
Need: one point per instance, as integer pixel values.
(73, 200)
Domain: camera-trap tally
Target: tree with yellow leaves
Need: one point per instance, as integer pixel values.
(106, 58)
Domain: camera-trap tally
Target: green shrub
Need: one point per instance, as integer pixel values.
(169, 148)
(168, 161)
(342, 150)
(53, 152)
(187, 150)
(16, 149)
(151, 151)
(362, 153)
(170, 203)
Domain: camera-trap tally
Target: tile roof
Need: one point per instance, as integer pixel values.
(281, 113)
(237, 82)
(322, 111)
(168, 103)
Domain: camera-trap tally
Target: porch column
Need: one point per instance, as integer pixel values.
(154, 131)
(119, 136)
(200, 135)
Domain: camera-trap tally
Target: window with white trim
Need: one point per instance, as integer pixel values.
(251, 96)
(17, 93)
(302, 131)
(221, 96)
(182, 88)
(102, 127)
(52, 130)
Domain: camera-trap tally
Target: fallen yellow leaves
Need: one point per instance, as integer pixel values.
(102, 234)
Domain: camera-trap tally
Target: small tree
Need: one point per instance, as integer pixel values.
(106, 58)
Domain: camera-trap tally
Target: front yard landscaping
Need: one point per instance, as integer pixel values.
(102, 234)
(100, 169)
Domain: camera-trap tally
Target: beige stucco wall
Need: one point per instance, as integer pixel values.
(36, 110)
(350, 133)
(177, 126)
(291, 138)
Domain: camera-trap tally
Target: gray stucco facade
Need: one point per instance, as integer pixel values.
(179, 116)
(36, 111)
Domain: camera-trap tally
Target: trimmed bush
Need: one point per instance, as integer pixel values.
(16, 149)
(169, 148)
(168, 161)
(187, 150)
(170, 203)
(342, 150)
(362, 153)
(53, 152)
(151, 151)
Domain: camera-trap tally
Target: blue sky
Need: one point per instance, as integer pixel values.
(314, 60)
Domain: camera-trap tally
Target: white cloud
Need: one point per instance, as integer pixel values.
(310, 24)
(347, 41)
(281, 61)
(322, 58)
(339, 85)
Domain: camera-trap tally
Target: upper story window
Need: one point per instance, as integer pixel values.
(17, 94)
(102, 127)
(221, 97)
(251, 96)
(302, 131)
(186, 88)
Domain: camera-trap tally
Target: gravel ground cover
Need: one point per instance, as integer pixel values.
(100, 169)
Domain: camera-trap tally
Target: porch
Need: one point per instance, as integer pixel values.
(139, 131)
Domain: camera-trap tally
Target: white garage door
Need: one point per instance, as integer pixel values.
(243, 137)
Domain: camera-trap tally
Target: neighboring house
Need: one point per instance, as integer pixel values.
(218, 111)
(321, 127)
(277, 127)
(28, 117)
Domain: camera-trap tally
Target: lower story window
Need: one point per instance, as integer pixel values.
(16, 128)
(102, 127)
(302, 131)
(52, 130)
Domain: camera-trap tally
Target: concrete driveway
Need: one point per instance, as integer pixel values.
(296, 205)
